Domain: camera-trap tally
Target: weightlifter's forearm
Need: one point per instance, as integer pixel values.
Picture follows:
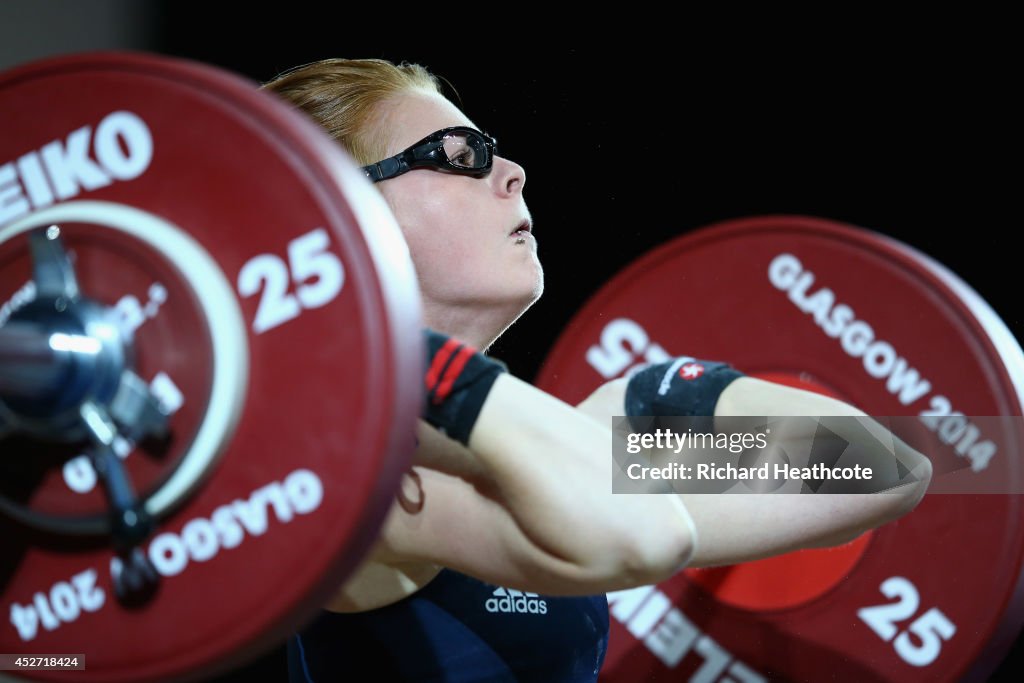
(551, 468)
(739, 528)
(552, 465)
(750, 396)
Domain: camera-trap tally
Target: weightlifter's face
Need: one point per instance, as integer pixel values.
(459, 228)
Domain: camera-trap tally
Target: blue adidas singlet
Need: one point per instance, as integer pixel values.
(457, 629)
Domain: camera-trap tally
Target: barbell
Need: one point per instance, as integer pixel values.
(210, 371)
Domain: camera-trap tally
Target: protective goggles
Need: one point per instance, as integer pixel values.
(457, 149)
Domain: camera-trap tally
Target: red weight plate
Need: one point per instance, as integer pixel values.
(274, 308)
(853, 314)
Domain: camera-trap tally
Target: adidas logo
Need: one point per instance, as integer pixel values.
(513, 601)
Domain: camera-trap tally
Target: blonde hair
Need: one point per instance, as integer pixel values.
(344, 96)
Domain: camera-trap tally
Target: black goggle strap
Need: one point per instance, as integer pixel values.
(432, 156)
(387, 168)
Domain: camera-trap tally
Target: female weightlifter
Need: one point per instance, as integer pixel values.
(494, 559)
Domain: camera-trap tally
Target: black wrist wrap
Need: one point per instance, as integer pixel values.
(682, 386)
(458, 380)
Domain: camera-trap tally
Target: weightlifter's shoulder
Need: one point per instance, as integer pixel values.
(377, 584)
(433, 513)
(387, 575)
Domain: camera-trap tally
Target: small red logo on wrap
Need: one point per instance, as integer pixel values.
(691, 371)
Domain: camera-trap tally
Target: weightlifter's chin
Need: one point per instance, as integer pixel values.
(526, 279)
(511, 292)
(522, 298)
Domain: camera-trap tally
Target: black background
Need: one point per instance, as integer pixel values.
(630, 139)
(633, 140)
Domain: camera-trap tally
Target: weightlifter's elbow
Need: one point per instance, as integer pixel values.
(670, 549)
(888, 506)
(646, 556)
(907, 496)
